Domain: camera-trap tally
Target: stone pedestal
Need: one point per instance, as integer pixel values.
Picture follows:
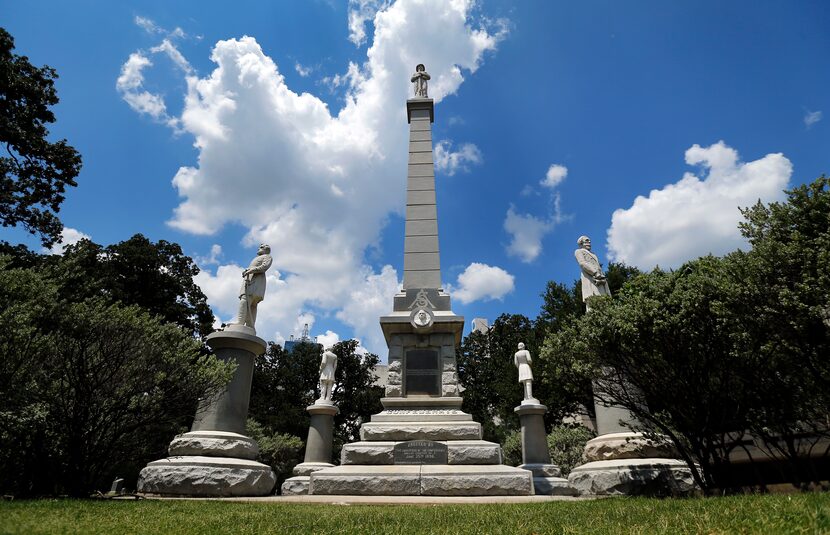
(215, 458)
(547, 478)
(317, 448)
(621, 462)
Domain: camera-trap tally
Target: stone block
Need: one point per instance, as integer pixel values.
(449, 364)
(206, 476)
(420, 183)
(420, 135)
(421, 170)
(449, 390)
(304, 469)
(395, 365)
(426, 227)
(393, 378)
(473, 452)
(421, 431)
(214, 444)
(627, 445)
(394, 480)
(421, 211)
(393, 391)
(421, 261)
(553, 486)
(448, 350)
(420, 146)
(633, 477)
(295, 486)
(449, 378)
(421, 244)
(473, 480)
(422, 279)
(368, 453)
(542, 470)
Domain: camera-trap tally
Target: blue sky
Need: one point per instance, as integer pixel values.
(642, 124)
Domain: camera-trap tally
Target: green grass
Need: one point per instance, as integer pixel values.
(802, 513)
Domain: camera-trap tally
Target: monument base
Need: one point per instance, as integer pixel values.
(197, 475)
(300, 482)
(548, 480)
(633, 477)
(627, 445)
(423, 480)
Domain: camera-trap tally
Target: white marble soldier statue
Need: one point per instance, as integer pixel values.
(252, 290)
(593, 279)
(522, 361)
(328, 365)
(420, 80)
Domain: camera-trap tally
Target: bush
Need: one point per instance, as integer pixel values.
(511, 449)
(566, 444)
(280, 451)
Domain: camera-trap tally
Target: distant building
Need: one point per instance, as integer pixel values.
(291, 343)
(481, 325)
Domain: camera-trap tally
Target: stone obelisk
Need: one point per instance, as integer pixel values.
(422, 443)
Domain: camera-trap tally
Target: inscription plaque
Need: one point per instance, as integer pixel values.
(422, 375)
(420, 452)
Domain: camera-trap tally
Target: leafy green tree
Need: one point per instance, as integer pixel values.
(34, 172)
(89, 389)
(354, 392)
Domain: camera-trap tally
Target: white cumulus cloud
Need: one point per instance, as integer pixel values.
(526, 233)
(69, 236)
(313, 184)
(482, 282)
(555, 175)
(699, 214)
(450, 162)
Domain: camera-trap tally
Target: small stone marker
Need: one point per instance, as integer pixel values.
(420, 452)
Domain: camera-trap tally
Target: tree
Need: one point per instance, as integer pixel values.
(89, 389)
(285, 383)
(34, 173)
(158, 277)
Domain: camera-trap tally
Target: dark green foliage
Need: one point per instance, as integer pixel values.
(566, 444)
(88, 390)
(511, 448)
(34, 173)
(280, 451)
(286, 383)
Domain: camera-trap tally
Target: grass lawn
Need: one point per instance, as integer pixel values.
(801, 513)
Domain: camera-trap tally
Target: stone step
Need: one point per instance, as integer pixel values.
(437, 431)
(421, 415)
(458, 452)
(423, 480)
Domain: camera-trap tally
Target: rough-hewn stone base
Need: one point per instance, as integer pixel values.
(295, 486)
(214, 444)
(423, 480)
(553, 486)
(633, 477)
(206, 476)
(458, 452)
(304, 469)
(421, 431)
(627, 446)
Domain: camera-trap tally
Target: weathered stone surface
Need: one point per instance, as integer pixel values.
(392, 480)
(449, 364)
(449, 378)
(489, 480)
(367, 453)
(421, 431)
(626, 446)
(542, 470)
(395, 365)
(553, 486)
(473, 452)
(449, 390)
(295, 486)
(206, 476)
(633, 477)
(393, 391)
(214, 444)
(393, 378)
(304, 469)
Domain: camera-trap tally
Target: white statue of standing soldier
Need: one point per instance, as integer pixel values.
(328, 365)
(252, 290)
(522, 361)
(420, 80)
(593, 279)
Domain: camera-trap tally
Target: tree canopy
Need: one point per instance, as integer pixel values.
(34, 172)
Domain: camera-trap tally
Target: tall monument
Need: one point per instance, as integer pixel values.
(422, 443)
